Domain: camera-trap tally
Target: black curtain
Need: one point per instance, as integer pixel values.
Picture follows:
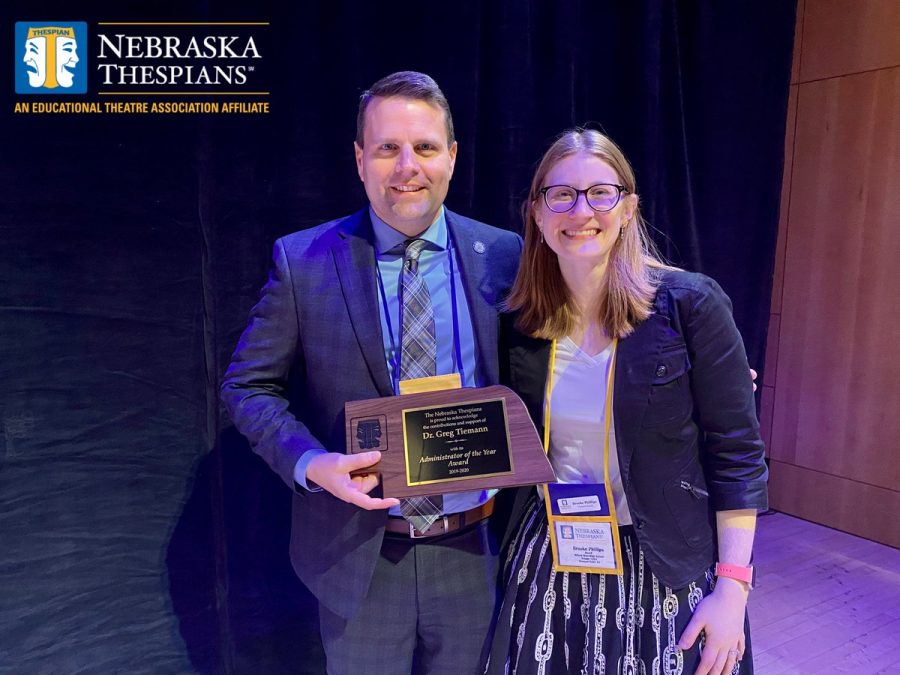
(137, 530)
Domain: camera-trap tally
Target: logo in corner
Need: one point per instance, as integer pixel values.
(51, 57)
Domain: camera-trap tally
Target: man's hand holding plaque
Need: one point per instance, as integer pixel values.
(349, 477)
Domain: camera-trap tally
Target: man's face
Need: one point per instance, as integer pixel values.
(36, 61)
(405, 164)
(66, 58)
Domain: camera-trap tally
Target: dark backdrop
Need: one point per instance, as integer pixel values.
(137, 531)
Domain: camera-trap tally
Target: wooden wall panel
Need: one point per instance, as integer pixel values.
(767, 396)
(848, 36)
(766, 406)
(770, 369)
(785, 202)
(865, 510)
(838, 366)
(830, 408)
(798, 42)
(772, 341)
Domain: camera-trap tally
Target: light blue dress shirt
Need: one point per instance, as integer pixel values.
(452, 322)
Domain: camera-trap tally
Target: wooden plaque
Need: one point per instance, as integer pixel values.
(453, 440)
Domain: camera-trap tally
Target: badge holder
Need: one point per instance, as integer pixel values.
(584, 532)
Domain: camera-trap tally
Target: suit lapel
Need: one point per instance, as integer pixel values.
(354, 259)
(473, 257)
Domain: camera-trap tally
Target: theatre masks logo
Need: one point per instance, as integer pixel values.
(51, 57)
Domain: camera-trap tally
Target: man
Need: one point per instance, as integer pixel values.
(337, 322)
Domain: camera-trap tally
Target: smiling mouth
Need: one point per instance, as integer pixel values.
(582, 234)
(406, 188)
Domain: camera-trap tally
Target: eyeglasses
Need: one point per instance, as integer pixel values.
(601, 197)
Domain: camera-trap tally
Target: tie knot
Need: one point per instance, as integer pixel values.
(411, 255)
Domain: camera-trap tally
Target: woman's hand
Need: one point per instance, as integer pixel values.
(721, 616)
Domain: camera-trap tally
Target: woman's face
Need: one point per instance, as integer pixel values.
(582, 235)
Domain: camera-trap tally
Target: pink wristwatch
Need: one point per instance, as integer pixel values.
(739, 572)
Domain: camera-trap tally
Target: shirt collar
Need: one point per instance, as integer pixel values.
(387, 238)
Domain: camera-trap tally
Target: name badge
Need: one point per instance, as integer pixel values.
(584, 499)
(584, 534)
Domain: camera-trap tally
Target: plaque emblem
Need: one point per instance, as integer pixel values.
(368, 433)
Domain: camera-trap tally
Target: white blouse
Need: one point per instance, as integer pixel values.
(577, 408)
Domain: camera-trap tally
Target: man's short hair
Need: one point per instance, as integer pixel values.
(405, 84)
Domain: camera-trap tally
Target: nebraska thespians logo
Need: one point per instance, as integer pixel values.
(51, 57)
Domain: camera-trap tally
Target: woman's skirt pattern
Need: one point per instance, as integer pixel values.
(594, 624)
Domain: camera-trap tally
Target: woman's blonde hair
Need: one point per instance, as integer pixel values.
(539, 293)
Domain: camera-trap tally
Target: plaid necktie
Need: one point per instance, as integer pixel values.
(418, 358)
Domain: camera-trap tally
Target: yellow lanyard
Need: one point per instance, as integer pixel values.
(607, 417)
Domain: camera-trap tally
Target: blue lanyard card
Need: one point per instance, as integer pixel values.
(578, 499)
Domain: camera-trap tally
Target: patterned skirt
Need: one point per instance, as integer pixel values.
(592, 624)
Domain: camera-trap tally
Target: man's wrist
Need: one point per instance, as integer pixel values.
(301, 482)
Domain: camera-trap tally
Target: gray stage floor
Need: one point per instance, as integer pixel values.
(826, 602)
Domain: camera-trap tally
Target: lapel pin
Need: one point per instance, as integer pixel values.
(479, 247)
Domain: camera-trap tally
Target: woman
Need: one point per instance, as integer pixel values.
(685, 460)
